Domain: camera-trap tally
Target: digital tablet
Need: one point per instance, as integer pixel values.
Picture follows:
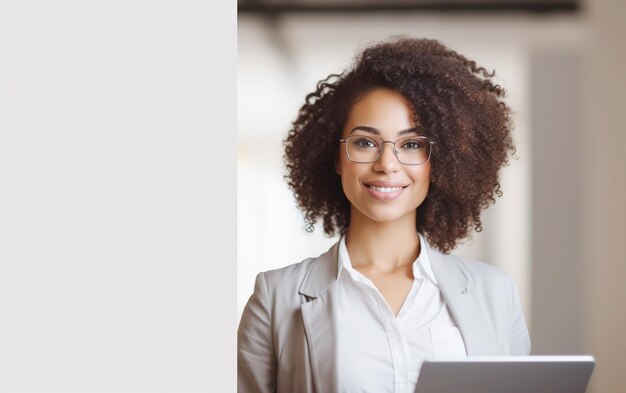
(515, 374)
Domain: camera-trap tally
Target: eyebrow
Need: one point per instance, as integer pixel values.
(376, 131)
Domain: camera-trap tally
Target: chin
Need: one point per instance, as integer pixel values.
(387, 216)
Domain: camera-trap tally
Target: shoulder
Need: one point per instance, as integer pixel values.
(476, 270)
(289, 277)
(309, 277)
(481, 275)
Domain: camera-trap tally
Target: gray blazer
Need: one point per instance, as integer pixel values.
(286, 337)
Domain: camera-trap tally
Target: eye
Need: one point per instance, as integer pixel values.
(364, 143)
(412, 144)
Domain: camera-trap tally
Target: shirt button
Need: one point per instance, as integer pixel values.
(391, 336)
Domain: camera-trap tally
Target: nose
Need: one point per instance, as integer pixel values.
(388, 161)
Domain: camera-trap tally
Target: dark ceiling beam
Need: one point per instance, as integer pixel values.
(532, 6)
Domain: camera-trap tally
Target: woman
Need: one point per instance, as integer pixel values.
(399, 155)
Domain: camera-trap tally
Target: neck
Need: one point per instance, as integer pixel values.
(386, 245)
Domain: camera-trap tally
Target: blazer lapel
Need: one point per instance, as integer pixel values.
(319, 320)
(457, 292)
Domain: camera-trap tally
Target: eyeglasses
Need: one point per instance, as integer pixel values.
(413, 150)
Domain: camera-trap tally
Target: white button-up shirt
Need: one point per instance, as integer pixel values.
(379, 352)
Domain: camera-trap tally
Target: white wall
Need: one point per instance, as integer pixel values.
(116, 202)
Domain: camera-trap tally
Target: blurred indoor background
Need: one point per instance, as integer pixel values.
(557, 230)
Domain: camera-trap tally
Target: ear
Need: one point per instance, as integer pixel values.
(338, 165)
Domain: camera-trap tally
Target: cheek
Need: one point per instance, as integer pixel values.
(346, 168)
(421, 174)
(350, 177)
(422, 179)
(347, 173)
(427, 171)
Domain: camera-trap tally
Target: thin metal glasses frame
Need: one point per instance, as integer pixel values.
(382, 144)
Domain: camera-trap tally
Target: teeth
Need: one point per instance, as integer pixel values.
(385, 189)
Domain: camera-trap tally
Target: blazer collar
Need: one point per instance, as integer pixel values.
(322, 274)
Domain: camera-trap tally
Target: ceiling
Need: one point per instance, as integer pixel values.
(273, 6)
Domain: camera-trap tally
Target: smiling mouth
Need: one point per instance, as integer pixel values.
(384, 189)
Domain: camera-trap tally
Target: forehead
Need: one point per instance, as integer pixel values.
(384, 109)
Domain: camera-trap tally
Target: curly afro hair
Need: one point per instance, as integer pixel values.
(456, 103)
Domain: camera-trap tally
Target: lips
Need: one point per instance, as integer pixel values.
(385, 191)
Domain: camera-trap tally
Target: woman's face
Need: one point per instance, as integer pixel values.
(385, 190)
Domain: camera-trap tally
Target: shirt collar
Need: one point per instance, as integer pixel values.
(343, 259)
(421, 266)
(423, 259)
